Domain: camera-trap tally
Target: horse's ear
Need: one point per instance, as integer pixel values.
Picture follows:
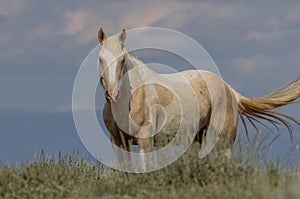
(122, 35)
(101, 35)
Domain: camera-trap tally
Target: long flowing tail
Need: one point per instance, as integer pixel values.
(261, 107)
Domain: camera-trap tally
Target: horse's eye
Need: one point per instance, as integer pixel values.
(100, 61)
(123, 60)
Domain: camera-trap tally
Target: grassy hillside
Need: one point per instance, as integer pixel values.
(189, 177)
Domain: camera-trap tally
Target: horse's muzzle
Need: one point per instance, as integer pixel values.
(111, 94)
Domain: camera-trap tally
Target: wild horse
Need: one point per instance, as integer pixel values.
(141, 104)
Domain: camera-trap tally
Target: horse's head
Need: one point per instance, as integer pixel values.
(111, 63)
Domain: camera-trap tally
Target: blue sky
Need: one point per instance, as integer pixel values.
(255, 44)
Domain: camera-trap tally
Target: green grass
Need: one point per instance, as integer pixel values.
(189, 177)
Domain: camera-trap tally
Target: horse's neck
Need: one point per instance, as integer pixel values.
(133, 62)
(139, 70)
(138, 76)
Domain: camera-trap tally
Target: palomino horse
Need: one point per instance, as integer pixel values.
(135, 109)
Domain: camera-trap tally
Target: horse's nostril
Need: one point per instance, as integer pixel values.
(107, 99)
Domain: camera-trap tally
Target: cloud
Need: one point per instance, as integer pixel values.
(242, 37)
(293, 16)
(148, 13)
(42, 32)
(266, 37)
(77, 22)
(83, 23)
(12, 7)
(250, 65)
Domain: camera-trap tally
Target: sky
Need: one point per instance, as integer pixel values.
(254, 43)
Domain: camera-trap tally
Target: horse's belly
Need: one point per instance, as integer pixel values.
(175, 120)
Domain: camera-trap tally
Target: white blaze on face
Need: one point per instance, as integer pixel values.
(111, 66)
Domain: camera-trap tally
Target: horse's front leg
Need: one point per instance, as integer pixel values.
(121, 149)
(118, 141)
(145, 146)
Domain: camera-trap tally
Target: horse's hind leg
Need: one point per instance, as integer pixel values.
(220, 136)
(221, 131)
(227, 139)
(228, 133)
